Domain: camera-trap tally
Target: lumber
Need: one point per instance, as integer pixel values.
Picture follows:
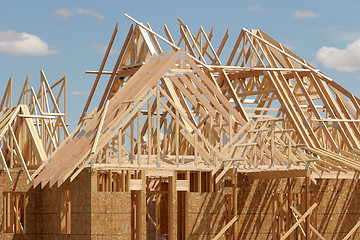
(227, 226)
(301, 219)
(351, 232)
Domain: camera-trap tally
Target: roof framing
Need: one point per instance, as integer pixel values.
(34, 128)
(186, 110)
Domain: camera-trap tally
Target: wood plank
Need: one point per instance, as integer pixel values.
(99, 74)
(99, 129)
(276, 174)
(163, 39)
(227, 226)
(352, 231)
(307, 213)
(311, 226)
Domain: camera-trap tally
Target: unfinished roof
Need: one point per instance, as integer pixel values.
(34, 128)
(266, 108)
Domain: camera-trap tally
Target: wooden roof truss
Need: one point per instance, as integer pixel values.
(266, 107)
(34, 128)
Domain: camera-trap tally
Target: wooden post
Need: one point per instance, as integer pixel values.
(123, 180)
(307, 204)
(186, 208)
(211, 183)
(158, 213)
(254, 153)
(107, 153)
(109, 178)
(127, 180)
(195, 148)
(158, 141)
(139, 137)
(140, 205)
(289, 149)
(281, 215)
(149, 130)
(177, 133)
(289, 221)
(11, 150)
(198, 181)
(172, 203)
(221, 131)
(211, 137)
(17, 214)
(120, 146)
(274, 225)
(230, 126)
(165, 135)
(235, 200)
(132, 142)
(272, 143)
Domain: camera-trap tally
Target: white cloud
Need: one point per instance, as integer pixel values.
(78, 93)
(347, 60)
(66, 13)
(63, 13)
(304, 14)
(89, 12)
(102, 49)
(254, 8)
(15, 43)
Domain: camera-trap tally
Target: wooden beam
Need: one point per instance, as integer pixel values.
(227, 226)
(99, 129)
(352, 231)
(163, 39)
(276, 174)
(22, 162)
(307, 204)
(99, 74)
(172, 206)
(311, 226)
(115, 69)
(303, 217)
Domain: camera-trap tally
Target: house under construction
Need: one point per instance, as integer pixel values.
(184, 145)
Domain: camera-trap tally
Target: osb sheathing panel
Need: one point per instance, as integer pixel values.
(255, 205)
(337, 212)
(11, 236)
(339, 206)
(206, 214)
(111, 215)
(107, 215)
(49, 211)
(20, 185)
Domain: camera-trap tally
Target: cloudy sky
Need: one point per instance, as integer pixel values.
(69, 37)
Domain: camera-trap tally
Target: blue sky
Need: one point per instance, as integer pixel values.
(69, 37)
